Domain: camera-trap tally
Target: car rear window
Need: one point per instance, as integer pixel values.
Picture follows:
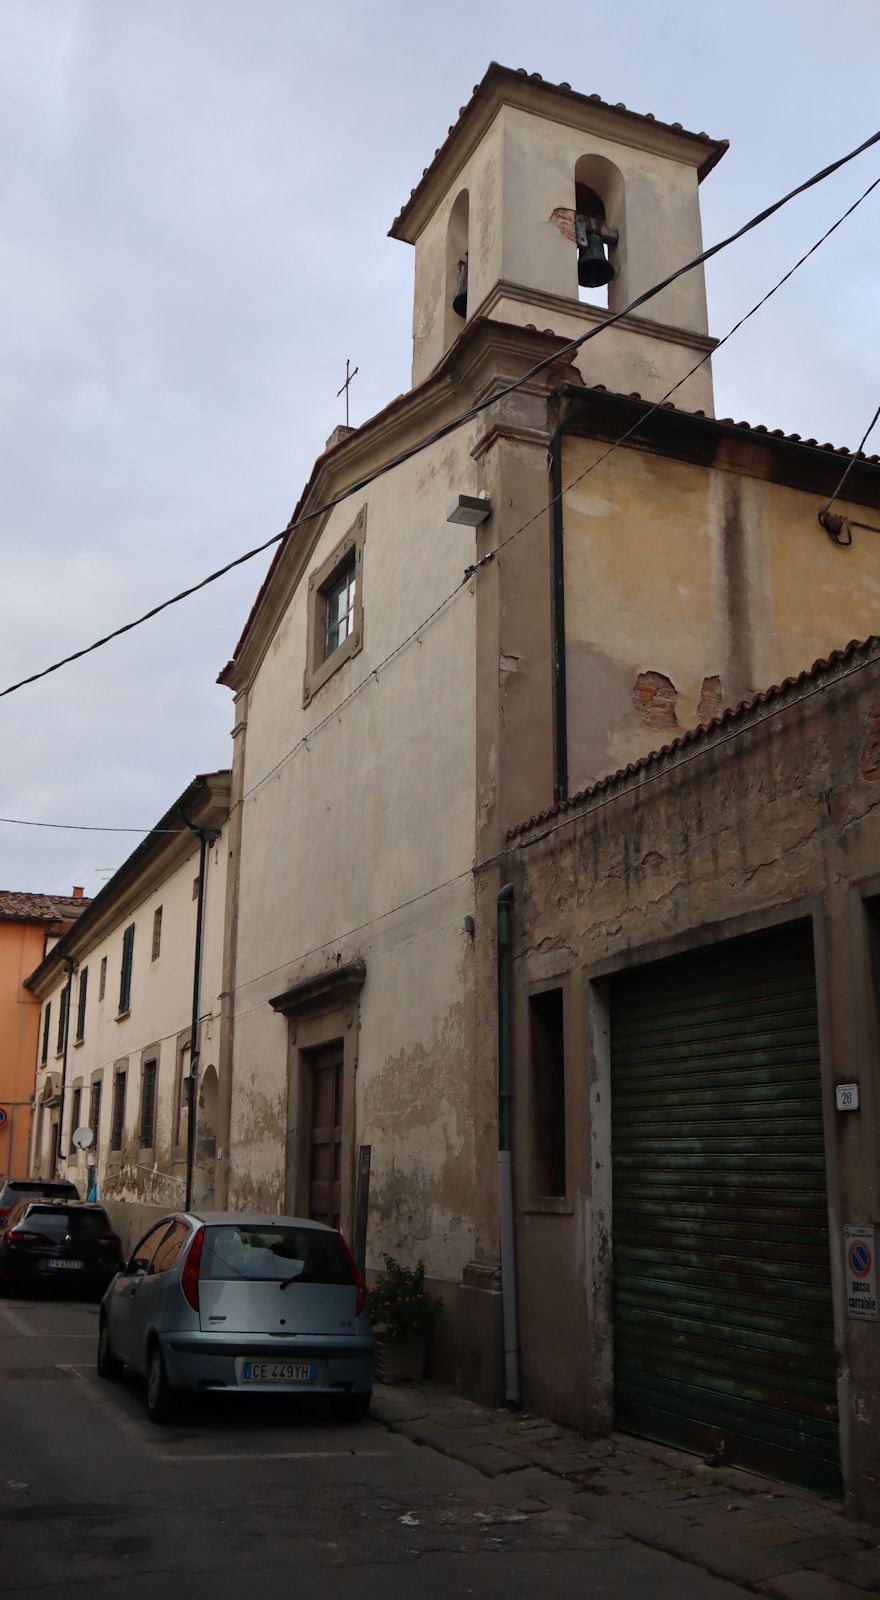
(58, 1221)
(271, 1254)
(64, 1191)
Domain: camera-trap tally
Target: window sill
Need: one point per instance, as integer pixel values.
(121, 1016)
(322, 673)
(146, 1155)
(114, 1160)
(549, 1206)
(78, 1043)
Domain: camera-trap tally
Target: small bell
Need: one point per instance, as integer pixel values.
(459, 299)
(594, 268)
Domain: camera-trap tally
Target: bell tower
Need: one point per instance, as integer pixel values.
(552, 208)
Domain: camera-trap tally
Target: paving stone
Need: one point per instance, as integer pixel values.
(727, 1557)
(632, 1517)
(861, 1569)
(486, 1458)
(810, 1586)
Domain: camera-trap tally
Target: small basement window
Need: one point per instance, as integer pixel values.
(547, 1070)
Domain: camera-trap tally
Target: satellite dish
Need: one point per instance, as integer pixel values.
(82, 1138)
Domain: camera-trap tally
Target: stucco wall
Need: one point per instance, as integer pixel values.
(21, 949)
(373, 812)
(160, 1011)
(707, 576)
(779, 823)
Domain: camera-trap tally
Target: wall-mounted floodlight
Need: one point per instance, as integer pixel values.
(470, 509)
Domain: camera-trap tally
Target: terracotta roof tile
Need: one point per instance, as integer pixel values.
(18, 905)
(715, 148)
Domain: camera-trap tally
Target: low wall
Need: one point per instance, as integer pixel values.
(131, 1219)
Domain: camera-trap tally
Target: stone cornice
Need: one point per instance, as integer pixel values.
(328, 989)
(593, 316)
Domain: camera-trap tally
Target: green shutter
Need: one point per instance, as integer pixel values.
(81, 1004)
(62, 1017)
(47, 1019)
(125, 975)
(722, 1284)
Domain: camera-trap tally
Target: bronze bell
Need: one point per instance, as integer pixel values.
(459, 299)
(594, 268)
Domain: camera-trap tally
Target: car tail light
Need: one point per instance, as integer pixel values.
(24, 1236)
(109, 1241)
(189, 1278)
(358, 1278)
(4, 1212)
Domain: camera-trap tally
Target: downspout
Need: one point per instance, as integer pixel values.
(205, 840)
(70, 969)
(505, 1141)
(560, 679)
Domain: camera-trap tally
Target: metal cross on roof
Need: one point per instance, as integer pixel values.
(345, 387)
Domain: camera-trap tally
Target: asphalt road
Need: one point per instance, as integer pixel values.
(241, 1498)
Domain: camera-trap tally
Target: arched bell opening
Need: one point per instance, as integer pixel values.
(598, 199)
(456, 285)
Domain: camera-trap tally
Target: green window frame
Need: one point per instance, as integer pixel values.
(125, 970)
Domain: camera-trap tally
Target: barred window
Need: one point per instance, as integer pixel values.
(118, 1121)
(148, 1104)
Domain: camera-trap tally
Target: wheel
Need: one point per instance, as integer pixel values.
(108, 1365)
(353, 1407)
(160, 1397)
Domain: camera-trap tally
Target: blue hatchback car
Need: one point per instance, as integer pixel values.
(244, 1304)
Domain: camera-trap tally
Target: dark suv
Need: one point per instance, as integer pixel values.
(51, 1242)
(14, 1189)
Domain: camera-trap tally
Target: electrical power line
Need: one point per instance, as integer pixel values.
(852, 462)
(455, 423)
(304, 740)
(490, 555)
(84, 827)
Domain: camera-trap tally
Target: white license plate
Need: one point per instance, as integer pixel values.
(274, 1371)
(63, 1266)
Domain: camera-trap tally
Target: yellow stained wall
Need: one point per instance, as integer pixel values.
(695, 573)
(21, 950)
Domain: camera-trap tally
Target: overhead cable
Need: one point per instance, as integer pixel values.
(454, 423)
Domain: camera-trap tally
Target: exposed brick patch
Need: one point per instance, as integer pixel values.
(869, 761)
(654, 696)
(563, 216)
(710, 700)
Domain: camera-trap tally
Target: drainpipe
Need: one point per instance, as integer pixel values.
(70, 969)
(205, 840)
(505, 1141)
(560, 682)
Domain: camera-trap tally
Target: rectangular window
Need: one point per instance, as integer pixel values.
(157, 932)
(81, 1005)
(47, 1023)
(547, 1052)
(148, 1105)
(75, 1109)
(336, 608)
(196, 882)
(118, 1110)
(102, 979)
(339, 608)
(125, 971)
(95, 1110)
(62, 1018)
(181, 1094)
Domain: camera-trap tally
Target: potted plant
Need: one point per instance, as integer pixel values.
(402, 1313)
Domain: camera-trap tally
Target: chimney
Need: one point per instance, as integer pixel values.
(78, 891)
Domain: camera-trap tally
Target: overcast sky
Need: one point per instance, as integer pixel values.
(195, 201)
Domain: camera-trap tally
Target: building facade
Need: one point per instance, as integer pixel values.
(696, 1059)
(408, 688)
(116, 994)
(29, 926)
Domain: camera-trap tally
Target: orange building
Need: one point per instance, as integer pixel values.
(29, 926)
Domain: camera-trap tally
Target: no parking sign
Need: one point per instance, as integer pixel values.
(861, 1272)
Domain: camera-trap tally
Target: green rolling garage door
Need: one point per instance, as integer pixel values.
(722, 1285)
